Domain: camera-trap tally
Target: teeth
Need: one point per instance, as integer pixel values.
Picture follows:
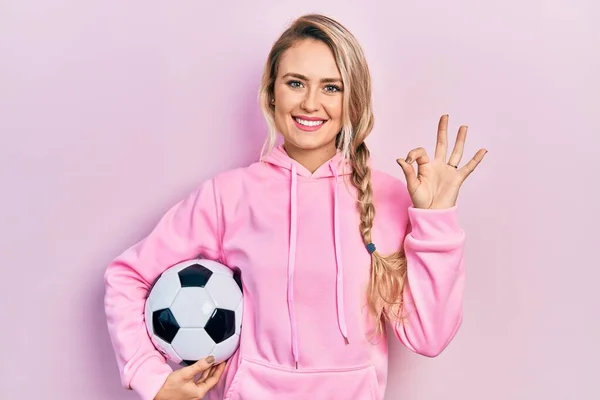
(308, 123)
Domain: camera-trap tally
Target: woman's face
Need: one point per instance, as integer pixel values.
(308, 97)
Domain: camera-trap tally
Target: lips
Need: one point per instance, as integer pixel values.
(308, 123)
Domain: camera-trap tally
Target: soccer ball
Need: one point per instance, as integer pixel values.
(193, 310)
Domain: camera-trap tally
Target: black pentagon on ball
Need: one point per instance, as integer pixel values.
(221, 325)
(195, 275)
(164, 324)
(187, 363)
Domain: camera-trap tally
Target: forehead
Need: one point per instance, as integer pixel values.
(311, 58)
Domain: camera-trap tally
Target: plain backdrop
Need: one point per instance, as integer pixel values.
(110, 111)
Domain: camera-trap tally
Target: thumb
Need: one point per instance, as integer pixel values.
(198, 367)
(409, 172)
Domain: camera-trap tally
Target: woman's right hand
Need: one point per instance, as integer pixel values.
(183, 384)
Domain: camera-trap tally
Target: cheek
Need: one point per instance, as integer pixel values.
(280, 123)
(285, 103)
(282, 112)
(335, 110)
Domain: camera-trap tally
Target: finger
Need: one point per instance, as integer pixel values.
(198, 367)
(205, 374)
(441, 147)
(409, 172)
(211, 380)
(219, 371)
(419, 155)
(473, 163)
(459, 146)
(215, 371)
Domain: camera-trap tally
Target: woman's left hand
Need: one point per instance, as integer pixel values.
(435, 183)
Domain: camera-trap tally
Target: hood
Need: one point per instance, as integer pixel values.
(333, 168)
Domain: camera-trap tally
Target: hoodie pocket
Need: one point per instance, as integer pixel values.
(258, 381)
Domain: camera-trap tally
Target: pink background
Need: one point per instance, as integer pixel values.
(111, 111)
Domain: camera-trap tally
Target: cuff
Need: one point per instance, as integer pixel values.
(149, 378)
(434, 224)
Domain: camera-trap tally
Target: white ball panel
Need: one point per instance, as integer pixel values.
(164, 291)
(193, 343)
(239, 314)
(225, 349)
(192, 307)
(224, 291)
(148, 319)
(166, 349)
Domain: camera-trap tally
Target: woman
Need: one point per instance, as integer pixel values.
(330, 250)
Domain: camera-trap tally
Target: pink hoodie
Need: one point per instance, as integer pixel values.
(294, 236)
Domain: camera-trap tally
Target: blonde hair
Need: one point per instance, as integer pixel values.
(384, 292)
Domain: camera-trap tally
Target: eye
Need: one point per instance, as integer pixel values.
(295, 84)
(332, 88)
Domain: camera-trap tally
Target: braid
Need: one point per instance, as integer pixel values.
(361, 179)
(384, 293)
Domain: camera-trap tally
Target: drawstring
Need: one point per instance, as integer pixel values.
(338, 258)
(292, 262)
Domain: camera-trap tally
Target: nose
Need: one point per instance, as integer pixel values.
(311, 101)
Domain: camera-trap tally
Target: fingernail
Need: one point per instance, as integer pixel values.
(210, 359)
(408, 160)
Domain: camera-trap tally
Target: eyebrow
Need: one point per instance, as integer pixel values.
(304, 78)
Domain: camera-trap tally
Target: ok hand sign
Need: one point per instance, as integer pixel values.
(435, 183)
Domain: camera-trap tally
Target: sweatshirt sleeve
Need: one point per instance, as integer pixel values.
(433, 291)
(189, 229)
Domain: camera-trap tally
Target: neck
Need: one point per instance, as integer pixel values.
(311, 159)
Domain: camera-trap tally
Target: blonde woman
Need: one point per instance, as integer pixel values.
(333, 254)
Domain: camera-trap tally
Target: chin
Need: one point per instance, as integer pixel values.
(310, 140)
(309, 143)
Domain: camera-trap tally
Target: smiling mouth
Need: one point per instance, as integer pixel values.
(309, 123)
